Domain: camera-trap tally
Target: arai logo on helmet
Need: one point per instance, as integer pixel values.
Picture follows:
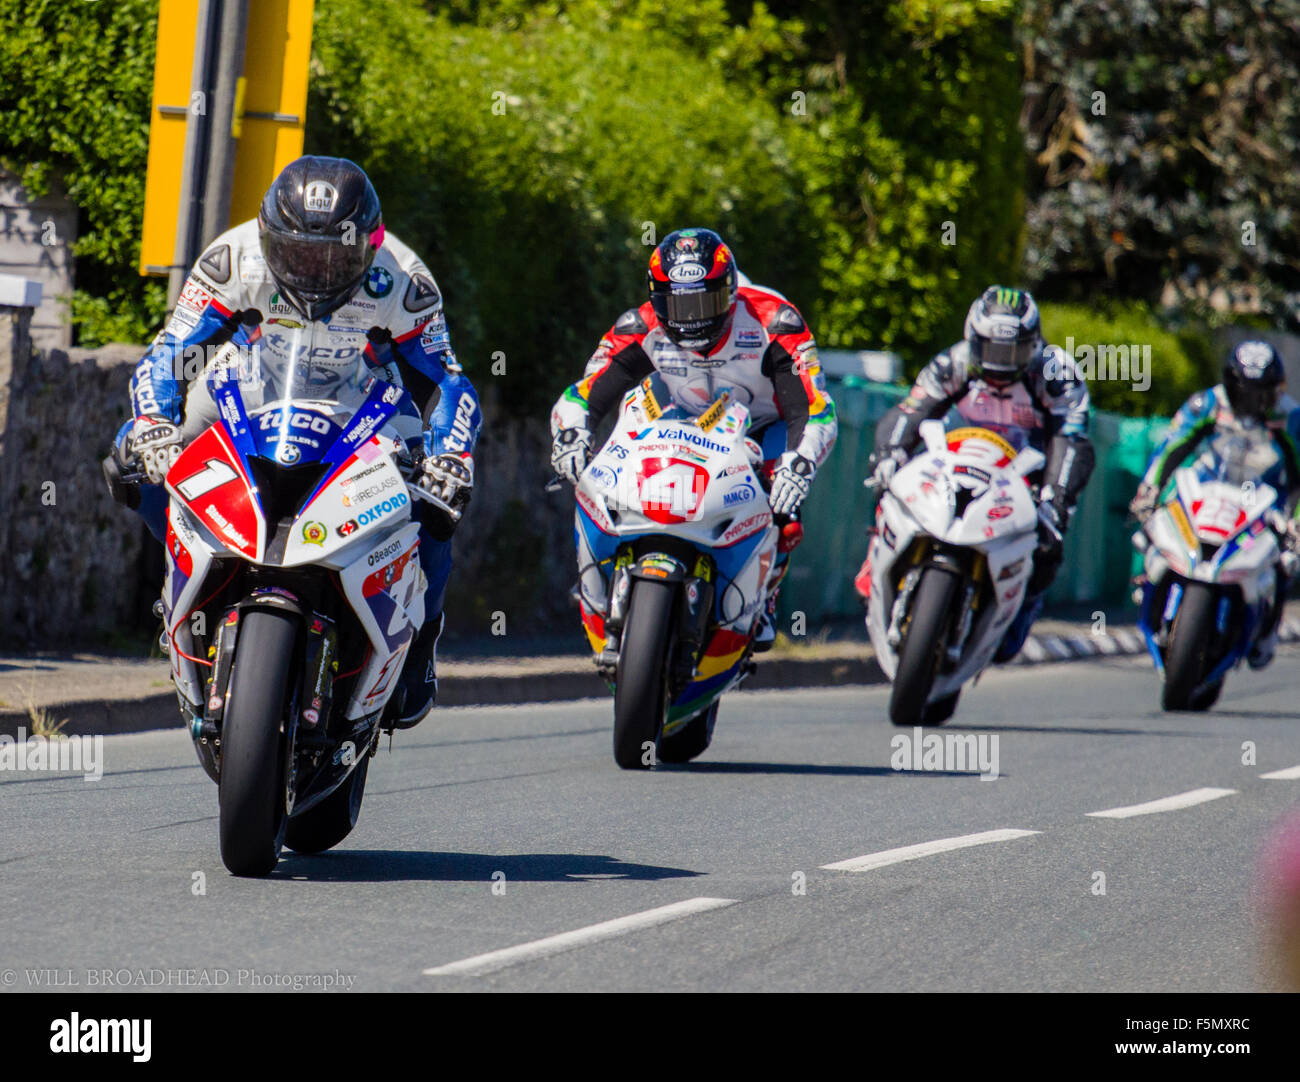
(686, 272)
(320, 195)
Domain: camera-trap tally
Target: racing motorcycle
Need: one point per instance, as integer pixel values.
(677, 554)
(292, 593)
(947, 566)
(1210, 565)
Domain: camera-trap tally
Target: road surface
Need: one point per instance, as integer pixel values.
(501, 849)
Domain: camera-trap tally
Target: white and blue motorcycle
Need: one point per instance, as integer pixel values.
(1211, 557)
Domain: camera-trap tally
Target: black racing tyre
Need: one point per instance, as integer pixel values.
(691, 739)
(918, 657)
(1189, 643)
(641, 684)
(252, 787)
(324, 825)
(939, 711)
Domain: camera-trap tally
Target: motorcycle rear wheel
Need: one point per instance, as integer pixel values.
(691, 739)
(326, 824)
(1189, 642)
(251, 792)
(641, 683)
(918, 657)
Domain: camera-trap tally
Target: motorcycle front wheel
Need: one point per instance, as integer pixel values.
(251, 791)
(641, 683)
(1189, 643)
(918, 657)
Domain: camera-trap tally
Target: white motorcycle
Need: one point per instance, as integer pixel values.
(1211, 556)
(677, 553)
(948, 563)
(293, 590)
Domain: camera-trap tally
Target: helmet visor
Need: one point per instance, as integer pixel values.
(315, 266)
(1003, 358)
(1250, 399)
(697, 306)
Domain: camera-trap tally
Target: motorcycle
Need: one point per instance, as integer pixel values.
(1210, 565)
(292, 593)
(948, 562)
(677, 554)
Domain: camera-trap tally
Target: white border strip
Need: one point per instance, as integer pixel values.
(1164, 804)
(925, 849)
(565, 941)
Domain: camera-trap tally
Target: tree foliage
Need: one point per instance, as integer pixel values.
(75, 86)
(1164, 136)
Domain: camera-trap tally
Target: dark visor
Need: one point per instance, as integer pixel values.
(1003, 356)
(692, 307)
(314, 265)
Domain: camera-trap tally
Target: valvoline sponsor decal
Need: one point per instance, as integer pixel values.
(687, 435)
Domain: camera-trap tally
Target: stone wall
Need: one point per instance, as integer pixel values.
(77, 569)
(73, 564)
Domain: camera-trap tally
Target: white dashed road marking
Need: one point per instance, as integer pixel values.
(1291, 773)
(594, 933)
(926, 849)
(1164, 804)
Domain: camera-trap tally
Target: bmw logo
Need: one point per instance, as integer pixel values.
(287, 453)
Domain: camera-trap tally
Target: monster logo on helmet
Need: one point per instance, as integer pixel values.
(1003, 333)
(693, 284)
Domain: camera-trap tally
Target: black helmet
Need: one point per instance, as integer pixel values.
(320, 227)
(1254, 378)
(1003, 332)
(693, 284)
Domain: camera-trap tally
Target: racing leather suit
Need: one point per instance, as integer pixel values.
(392, 328)
(1046, 408)
(766, 360)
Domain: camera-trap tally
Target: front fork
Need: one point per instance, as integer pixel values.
(694, 613)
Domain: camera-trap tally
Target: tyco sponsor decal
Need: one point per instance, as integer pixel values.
(461, 430)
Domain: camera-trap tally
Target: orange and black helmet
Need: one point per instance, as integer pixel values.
(693, 282)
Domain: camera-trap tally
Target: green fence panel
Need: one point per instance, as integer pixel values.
(1099, 557)
(838, 510)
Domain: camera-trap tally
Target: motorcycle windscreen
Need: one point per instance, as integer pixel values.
(1237, 456)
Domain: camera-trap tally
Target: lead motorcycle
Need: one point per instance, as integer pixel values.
(947, 565)
(1210, 564)
(677, 554)
(292, 593)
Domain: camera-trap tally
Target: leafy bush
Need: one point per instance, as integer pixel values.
(835, 189)
(1181, 360)
(75, 86)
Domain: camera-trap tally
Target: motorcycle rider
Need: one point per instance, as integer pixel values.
(1003, 376)
(706, 329)
(1252, 393)
(318, 257)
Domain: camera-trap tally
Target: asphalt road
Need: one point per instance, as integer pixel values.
(100, 875)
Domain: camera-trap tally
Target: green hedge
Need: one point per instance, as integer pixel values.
(76, 80)
(830, 141)
(1181, 360)
(832, 185)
